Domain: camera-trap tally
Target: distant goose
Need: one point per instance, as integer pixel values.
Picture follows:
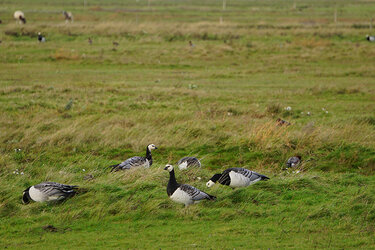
(89, 40)
(115, 43)
(20, 16)
(183, 193)
(136, 161)
(48, 191)
(68, 16)
(370, 38)
(41, 38)
(236, 177)
(293, 161)
(188, 162)
(281, 122)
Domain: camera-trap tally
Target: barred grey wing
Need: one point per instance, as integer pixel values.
(135, 161)
(194, 192)
(54, 188)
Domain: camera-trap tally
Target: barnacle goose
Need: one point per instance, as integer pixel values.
(41, 38)
(281, 122)
(293, 161)
(48, 191)
(370, 38)
(136, 161)
(183, 193)
(19, 16)
(68, 16)
(236, 177)
(188, 162)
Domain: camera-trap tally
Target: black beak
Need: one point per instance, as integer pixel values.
(156, 147)
(166, 168)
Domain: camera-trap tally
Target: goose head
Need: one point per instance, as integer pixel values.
(151, 147)
(26, 196)
(213, 180)
(168, 167)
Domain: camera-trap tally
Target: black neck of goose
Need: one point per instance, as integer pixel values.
(26, 196)
(172, 184)
(148, 156)
(216, 177)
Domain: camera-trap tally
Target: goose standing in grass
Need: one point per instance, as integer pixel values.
(41, 38)
(136, 161)
(19, 16)
(293, 161)
(48, 191)
(188, 162)
(370, 38)
(183, 193)
(236, 177)
(68, 16)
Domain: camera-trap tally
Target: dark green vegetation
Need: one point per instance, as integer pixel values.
(71, 106)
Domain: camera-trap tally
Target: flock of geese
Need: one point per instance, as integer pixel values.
(180, 193)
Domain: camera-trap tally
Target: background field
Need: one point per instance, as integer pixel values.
(218, 101)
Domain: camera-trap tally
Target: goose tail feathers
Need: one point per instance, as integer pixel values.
(114, 167)
(263, 177)
(211, 197)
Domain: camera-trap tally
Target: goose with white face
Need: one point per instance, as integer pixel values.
(169, 168)
(136, 161)
(183, 193)
(236, 177)
(210, 183)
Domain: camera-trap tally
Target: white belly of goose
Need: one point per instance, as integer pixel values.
(183, 165)
(239, 180)
(146, 164)
(181, 197)
(36, 195)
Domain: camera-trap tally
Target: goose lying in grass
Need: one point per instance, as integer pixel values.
(136, 161)
(236, 177)
(41, 38)
(48, 191)
(183, 193)
(281, 122)
(188, 162)
(370, 38)
(293, 161)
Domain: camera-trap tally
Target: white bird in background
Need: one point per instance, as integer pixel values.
(20, 16)
(68, 16)
(188, 162)
(41, 38)
(370, 38)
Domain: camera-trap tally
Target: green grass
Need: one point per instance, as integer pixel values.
(218, 101)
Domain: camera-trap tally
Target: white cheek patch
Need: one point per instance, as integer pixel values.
(210, 183)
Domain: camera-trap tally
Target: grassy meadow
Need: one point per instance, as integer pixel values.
(74, 109)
